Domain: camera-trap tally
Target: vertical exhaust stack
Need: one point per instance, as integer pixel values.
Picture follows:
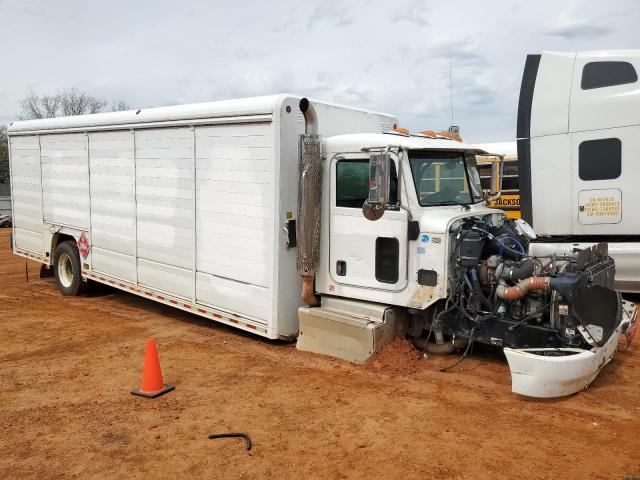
(309, 202)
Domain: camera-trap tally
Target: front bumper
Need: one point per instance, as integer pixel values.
(535, 373)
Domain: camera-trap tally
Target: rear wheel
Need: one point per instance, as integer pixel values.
(67, 269)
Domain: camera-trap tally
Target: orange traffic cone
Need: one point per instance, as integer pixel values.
(152, 384)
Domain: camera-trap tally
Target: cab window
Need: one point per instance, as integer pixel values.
(352, 183)
(607, 74)
(600, 159)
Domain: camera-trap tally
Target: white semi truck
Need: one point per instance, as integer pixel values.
(229, 209)
(578, 152)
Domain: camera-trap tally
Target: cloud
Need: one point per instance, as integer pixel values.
(243, 54)
(413, 11)
(579, 29)
(330, 12)
(478, 95)
(371, 54)
(459, 52)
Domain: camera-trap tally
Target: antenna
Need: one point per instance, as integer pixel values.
(451, 92)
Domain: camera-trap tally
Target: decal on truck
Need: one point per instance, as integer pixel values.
(600, 206)
(506, 201)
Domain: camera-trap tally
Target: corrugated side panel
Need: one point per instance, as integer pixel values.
(65, 179)
(27, 193)
(166, 278)
(234, 217)
(113, 226)
(164, 196)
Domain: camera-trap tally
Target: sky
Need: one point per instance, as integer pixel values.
(394, 57)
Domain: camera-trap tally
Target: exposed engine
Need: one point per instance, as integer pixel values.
(501, 296)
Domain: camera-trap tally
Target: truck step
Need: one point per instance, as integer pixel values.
(353, 338)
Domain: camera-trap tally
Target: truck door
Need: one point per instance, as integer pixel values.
(604, 136)
(365, 253)
(597, 186)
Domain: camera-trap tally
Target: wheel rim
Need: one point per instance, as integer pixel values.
(65, 270)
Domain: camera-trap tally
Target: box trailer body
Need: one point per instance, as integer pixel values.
(578, 148)
(185, 205)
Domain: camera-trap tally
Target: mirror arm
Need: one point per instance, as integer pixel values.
(500, 173)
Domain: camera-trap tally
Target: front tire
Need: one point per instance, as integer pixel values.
(67, 269)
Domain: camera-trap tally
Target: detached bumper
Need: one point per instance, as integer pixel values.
(556, 372)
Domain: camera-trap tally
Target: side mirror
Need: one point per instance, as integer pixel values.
(496, 177)
(379, 180)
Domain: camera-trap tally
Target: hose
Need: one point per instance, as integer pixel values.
(448, 347)
(233, 435)
(463, 356)
(516, 273)
(518, 244)
(522, 288)
(491, 236)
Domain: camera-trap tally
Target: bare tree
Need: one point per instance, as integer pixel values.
(4, 153)
(67, 101)
(76, 102)
(50, 105)
(36, 106)
(120, 106)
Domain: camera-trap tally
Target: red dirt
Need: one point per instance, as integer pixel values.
(67, 366)
(398, 357)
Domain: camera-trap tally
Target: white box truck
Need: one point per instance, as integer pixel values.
(229, 209)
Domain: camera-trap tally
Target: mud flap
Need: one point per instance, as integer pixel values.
(46, 272)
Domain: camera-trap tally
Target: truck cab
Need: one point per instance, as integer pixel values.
(400, 258)
(376, 267)
(578, 142)
(396, 239)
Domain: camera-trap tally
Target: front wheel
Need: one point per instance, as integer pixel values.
(67, 269)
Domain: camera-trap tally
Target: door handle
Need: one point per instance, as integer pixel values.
(341, 268)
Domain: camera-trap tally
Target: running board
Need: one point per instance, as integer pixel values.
(347, 329)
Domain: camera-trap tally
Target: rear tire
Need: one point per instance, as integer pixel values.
(67, 269)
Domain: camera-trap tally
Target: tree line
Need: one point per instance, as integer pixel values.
(65, 102)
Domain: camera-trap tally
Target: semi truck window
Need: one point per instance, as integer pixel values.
(607, 74)
(444, 178)
(600, 159)
(387, 259)
(352, 183)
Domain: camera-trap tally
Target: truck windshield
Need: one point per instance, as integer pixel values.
(445, 178)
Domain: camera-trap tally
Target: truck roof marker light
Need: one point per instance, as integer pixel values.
(428, 133)
(402, 131)
(446, 135)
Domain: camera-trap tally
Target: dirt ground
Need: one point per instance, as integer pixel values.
(67, 366)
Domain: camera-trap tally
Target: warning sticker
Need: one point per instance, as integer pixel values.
(600, 206)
